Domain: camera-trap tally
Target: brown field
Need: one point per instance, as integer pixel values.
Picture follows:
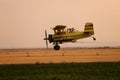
(32, 56)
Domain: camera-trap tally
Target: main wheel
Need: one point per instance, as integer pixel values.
(56, 47)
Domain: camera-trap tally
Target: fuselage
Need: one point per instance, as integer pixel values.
(62, 35)
(71, 37)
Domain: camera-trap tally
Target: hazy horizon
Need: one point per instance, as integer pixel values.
(23, 22)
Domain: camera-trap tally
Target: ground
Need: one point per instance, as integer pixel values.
(31, 56)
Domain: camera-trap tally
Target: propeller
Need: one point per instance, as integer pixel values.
(46, 38)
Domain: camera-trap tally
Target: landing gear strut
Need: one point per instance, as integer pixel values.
(56, 47)
(94, 38)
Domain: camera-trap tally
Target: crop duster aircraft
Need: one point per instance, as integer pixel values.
(62, 35)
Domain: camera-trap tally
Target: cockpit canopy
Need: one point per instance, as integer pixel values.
(59, 29)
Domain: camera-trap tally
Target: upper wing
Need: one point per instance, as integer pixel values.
(59, 27)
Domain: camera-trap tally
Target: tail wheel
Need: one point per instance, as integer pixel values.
(56, 47)
(94, 38)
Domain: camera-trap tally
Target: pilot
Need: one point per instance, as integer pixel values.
(72, 29)
(58, 31)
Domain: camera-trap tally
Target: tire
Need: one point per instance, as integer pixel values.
(56, 47)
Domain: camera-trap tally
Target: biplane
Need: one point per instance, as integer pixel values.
(62, 35)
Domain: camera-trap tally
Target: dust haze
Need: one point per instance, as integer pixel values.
(22, 22)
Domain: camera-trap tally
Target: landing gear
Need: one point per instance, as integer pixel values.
(94, 38)
(56, 47)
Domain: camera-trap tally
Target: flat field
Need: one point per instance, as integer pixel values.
(70, 64)
(61, 71)
(32, 56)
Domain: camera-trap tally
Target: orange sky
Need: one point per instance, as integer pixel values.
(22, 22)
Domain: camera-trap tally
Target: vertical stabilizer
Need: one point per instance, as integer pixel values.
(89, 28)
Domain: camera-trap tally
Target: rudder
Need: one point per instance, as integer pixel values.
(88, 26)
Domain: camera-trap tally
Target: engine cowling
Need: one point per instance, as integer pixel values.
(50, 38)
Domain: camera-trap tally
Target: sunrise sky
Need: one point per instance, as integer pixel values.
(23, 22)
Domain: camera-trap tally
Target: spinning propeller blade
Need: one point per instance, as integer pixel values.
(46, 39)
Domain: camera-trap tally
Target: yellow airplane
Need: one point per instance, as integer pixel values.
(62, 35)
